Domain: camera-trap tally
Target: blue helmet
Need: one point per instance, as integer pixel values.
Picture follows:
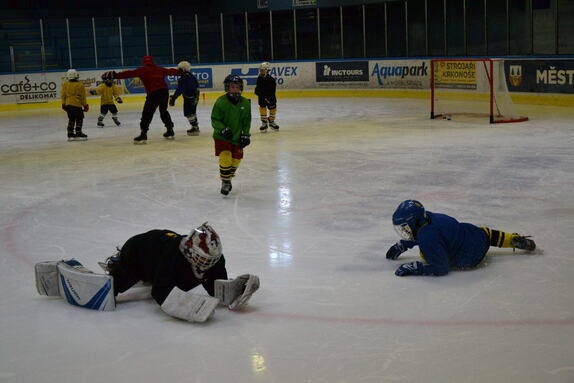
(409, 217)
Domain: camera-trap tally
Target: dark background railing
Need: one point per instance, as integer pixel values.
(40, 35)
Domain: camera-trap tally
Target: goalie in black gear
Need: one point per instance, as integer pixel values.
(174, 264)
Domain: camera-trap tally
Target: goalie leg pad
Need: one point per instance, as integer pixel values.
(47, 278)
(81, 287)
(188, 306)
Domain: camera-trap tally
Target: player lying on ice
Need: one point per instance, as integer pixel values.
(444, 242)
(173, 264)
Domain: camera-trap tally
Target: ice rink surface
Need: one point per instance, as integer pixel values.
(310, 214)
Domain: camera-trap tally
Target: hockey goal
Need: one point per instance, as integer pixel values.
(473, 88)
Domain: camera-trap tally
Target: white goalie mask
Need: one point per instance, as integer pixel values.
(202, 247)
(72, 74)
(184, 66)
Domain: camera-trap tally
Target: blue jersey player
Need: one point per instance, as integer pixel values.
(444, 242)
(187, 86)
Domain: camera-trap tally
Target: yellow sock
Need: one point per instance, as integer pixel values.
(272, 113)
(225, 165)
(499, 238)
(263, 113)
(234, 165)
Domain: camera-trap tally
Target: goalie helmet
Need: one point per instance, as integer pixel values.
(184, 66)
(72, 74)
(202, 247)
(409, 217)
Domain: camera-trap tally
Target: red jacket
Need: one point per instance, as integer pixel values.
(151, 75)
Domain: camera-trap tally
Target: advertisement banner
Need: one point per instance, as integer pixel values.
(284, 74)
(455, 74)
(29, 88)
(342, 71)
(400, 74)
(540, 76)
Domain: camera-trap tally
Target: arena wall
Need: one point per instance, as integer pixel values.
(534, 81)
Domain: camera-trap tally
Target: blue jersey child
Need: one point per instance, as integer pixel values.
(444, 242)
(188, 87)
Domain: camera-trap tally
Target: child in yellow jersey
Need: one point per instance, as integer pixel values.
(109, 92)
(75, 104)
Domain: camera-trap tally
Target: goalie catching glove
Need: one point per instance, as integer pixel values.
(235, 293)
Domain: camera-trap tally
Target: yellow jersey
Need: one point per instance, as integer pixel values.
(108, 93)
(74, 93)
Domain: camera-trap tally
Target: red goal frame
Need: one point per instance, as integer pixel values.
(489, 71)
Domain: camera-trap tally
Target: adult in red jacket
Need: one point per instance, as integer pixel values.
(153, 79)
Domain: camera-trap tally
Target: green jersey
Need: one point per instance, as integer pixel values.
(236, 117)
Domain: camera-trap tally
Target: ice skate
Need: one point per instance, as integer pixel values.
(523, 242)
(225, 187)
(116, 121)
(169, 134)
(141, 139)
(71, 136)
(112, 263)
(194, 131)
(81, 136)
(100, 123)
(273, 126)
(263, 127)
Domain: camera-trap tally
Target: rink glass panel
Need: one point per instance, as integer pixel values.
(210, 39)
(159, 39)
(108, 42)
(184, 41)
(235, 45)
(283, 35)
(133, 37)
(82, 42)
(259, 27)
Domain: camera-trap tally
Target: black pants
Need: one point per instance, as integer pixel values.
(189, 106)
(154, 100)
(127, 273)
(269, 102)
(75, 118)
(108, 107)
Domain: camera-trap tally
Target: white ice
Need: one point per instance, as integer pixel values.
(310, 214)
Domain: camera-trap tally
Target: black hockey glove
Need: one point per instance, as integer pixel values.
(119, 100)
(171, 101)
(109, 75)
(395, 250)
(411, 268)
(227, 133)
(244, 140)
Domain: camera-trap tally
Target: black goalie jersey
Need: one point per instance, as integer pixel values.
(154, 257)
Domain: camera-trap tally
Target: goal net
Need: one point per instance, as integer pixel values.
(471, 87)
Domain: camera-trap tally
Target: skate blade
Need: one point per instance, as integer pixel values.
(169, 138)
(81, 139)
(193, 134)
(140, 142)
(263, 130)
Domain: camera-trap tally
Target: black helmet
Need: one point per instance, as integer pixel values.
(232, 79)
